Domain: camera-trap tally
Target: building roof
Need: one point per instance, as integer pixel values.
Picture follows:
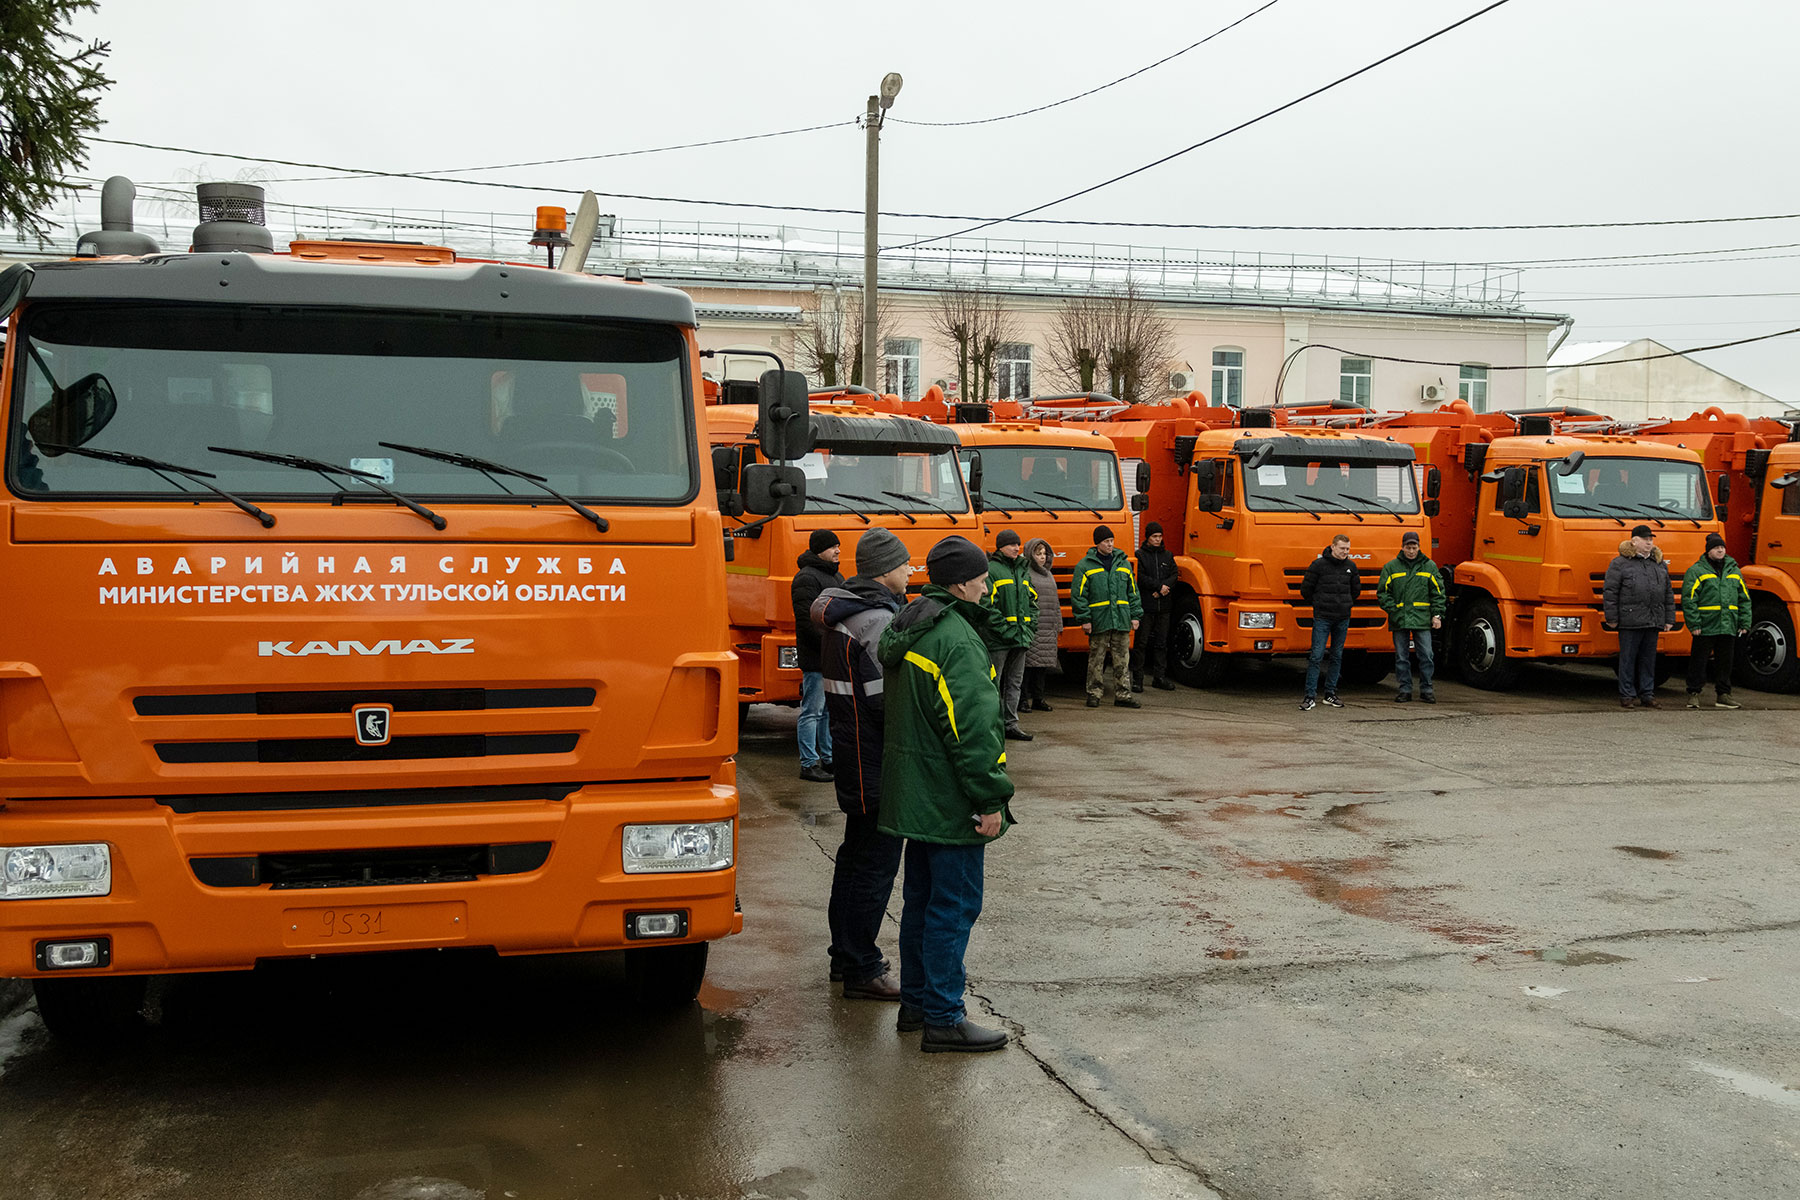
(1571, 354)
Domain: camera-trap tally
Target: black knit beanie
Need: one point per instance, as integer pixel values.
(955, 560)
(821, 541)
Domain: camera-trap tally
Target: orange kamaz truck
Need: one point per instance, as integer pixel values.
(864, 470)
(1246, 503)
(359, 598)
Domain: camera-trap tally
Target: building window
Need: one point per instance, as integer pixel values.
(1471, 385)
(1228, 377)
(900, 367)
(1013, 370)
(1355, 379)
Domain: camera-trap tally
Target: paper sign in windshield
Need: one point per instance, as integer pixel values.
(1274, 475)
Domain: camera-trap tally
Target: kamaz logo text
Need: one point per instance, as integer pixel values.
(391, 646)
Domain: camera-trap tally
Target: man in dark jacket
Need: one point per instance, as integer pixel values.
(1332, 585)
(1717, 607)
(1156, 584)
(1014, 601)
(1639, 601)
(850, 621)
(1411, 593)
(943, 788)
(817, 571)
(1104, 597)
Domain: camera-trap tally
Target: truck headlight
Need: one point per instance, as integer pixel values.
(1256, 620)
(44, 872)
(654, 849)
(1562, 624)
(787, 658)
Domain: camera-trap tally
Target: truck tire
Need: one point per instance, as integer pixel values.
(665, 976)
(1480, 647)
(1365, 668)
(1189, 659)
(95, 1010)
(1767, 657)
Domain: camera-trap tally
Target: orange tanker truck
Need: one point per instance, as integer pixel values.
(863, 470)
(339, 587)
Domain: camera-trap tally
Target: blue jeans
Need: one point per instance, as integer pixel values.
(1637, 663)
(814, 731)
(1406, 640)
(861, 885)
(940, 901)
(1333, 659)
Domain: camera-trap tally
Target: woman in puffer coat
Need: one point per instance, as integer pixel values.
(1040, 657)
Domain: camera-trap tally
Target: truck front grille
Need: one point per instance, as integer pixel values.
(313, 750)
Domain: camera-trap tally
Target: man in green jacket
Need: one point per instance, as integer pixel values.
(943, 787)
(1716, 604)
(1015, 601)
(1104, 597)
(1411, 592)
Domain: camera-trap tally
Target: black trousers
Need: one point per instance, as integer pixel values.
(1034, 683)
(1720, 648)
(867, 862)
(1150, 647)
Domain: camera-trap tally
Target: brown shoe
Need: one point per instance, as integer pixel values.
(883, 987)
(1627, 701)
(1649, 702)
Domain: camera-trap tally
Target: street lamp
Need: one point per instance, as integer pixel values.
(890, 87)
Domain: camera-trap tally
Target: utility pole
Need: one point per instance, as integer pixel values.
(878, 106)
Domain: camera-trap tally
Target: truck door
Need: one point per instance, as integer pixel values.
(1510, 543)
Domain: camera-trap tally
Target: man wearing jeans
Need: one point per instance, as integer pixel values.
(1411, 592)
(943, 788)
(817, 570)
(1332, 585)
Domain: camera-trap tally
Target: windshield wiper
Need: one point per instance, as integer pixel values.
(1072, 500)
(872, 500)
(1021, 499)
(1335, 504)
(1293, 503)
(1397, 517)
(840, 504)
(157, 466)
(927, 504)
(326, 470)
(490, 468)
(1584, 508)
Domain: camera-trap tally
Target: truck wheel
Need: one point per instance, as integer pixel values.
(97, 1009)
(1365, 668)
(1481, 648)
(1189, 659)
(1768, 660)
(665, 976)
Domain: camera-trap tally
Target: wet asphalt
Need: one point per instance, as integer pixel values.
(1516, 945)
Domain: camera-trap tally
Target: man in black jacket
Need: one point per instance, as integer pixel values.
(817, 571)
(1156, 583)
(850, 621)
(1638, 599)
(1332, 585)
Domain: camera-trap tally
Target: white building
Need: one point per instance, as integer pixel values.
(1626, 380)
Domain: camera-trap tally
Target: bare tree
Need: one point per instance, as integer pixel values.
(1118, 344)
(972, 326)
(829, 343)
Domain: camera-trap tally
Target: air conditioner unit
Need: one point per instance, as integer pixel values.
(1181, 381)
(1433, 393)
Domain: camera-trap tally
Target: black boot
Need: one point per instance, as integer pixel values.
(966, 1038)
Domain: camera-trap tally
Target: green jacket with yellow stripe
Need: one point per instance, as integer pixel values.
(1411, 593)
(1105, 594)
(1714, 599)
(943, 761)
(1013, 598)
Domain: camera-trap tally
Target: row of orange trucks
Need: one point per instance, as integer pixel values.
(367, 597)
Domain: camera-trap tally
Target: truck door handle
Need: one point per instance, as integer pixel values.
(1487, 541)
(1774, 545)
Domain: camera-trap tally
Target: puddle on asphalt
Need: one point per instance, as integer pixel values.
(1576, 958)
(1753, 1085)
(1352, 886)
(1646, 852)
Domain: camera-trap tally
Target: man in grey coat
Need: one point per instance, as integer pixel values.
(1639, 602)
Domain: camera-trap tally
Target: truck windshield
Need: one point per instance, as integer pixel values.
(1331, 487)
(840, 479)
(599, 409)
(1051, 477)
(1632, 487)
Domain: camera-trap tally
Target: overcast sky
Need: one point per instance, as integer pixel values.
(1540, 111)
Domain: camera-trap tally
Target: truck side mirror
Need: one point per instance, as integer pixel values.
(784, 421)
(975, 500)
(1206, 475)
(1140, 502)
(1724, 490)
(1512, 485)
(1261, 455)
(1570, 463)
(74, 415)
(1209, 502)
(1513, 510)
(1431, 508)
(1786, 481)
(774, 491)
(1434, 482)
(1143, 478)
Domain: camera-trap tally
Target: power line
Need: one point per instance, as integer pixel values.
(1217, 136)
(1026, 112)
(363, 172)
